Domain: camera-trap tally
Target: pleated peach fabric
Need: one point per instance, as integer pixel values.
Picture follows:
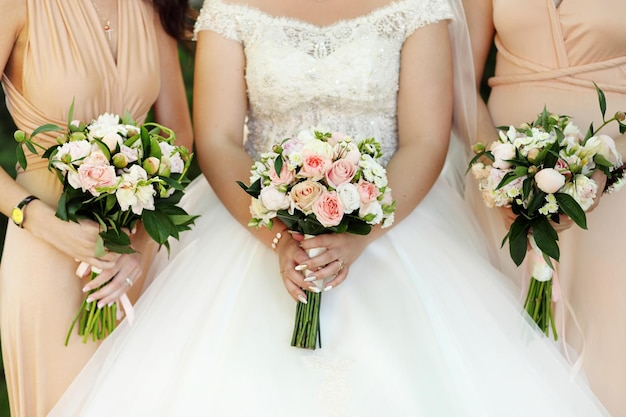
(67, 58)
(550, 56)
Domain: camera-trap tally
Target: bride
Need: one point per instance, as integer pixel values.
(416, 321)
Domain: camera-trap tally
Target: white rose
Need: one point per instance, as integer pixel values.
(349, 196)
(549, 180)
(274, 199)
(502, 152)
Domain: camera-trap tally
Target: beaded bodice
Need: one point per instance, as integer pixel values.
(342, 77)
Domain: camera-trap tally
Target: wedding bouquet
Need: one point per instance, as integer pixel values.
(542, 170)
(315, 183)
(116, 173)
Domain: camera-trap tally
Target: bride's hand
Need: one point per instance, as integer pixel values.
(290, 255)
(333, 265)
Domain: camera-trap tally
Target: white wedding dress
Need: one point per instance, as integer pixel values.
(423, 326)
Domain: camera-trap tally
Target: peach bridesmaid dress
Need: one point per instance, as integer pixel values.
(549, 55)
(67, 57)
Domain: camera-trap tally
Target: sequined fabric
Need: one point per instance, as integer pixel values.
(330, 76)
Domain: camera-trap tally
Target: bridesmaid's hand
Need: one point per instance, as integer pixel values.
(119, 279)
(76, 240)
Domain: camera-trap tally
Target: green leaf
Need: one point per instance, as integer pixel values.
(602, 161)
(552, 156)
(103, 147)
(477, 157)
(359, 228)
(48, 127)
(526, 187)
(545, 236)
(21, 157)
(61, 212)
(278, 165)
(30, 146)
(254, 189)
(518, 239)
(536, 201)
(601, 99)
(159, 226)
(50, 152)
(155, 149)
(507, 178)
(70, 113)
(99, 247)
(115, 235)
(571, 208)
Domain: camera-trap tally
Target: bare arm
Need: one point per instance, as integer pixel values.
(479, 14)
(220, 106)
(171, 108)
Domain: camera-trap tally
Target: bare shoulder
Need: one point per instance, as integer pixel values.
(12, 16)
(12, 36)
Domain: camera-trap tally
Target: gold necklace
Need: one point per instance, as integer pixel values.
(107, 22)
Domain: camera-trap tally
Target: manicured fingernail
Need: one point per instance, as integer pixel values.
(89, 299)
(310, 278)
(300, 267)
(302, 298)
(111, 303)
(86, 288)
(328, 288)
(313, 288)
(100, 304)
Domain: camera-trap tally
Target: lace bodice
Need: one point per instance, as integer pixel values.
(342, 77)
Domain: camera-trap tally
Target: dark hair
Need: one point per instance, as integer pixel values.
(177, 17)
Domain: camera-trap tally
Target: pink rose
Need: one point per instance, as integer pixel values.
(304, 194)
(91, 177)
(314, 166)
(286, 176)
(341, 172)
(328, 209)
(549, 180)
(367, 191)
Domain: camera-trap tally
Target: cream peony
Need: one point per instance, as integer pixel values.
(549, 180)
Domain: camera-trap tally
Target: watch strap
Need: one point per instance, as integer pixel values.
(20, 207)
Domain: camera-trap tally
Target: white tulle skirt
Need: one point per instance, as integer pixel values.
(423, 326)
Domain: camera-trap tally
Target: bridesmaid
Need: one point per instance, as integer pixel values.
(107, 56)
(548, 53)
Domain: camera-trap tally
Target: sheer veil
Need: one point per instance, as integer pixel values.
(464, 116)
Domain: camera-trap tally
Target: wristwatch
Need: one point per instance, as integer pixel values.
(17, 215)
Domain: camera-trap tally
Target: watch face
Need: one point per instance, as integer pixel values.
(17, 216)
